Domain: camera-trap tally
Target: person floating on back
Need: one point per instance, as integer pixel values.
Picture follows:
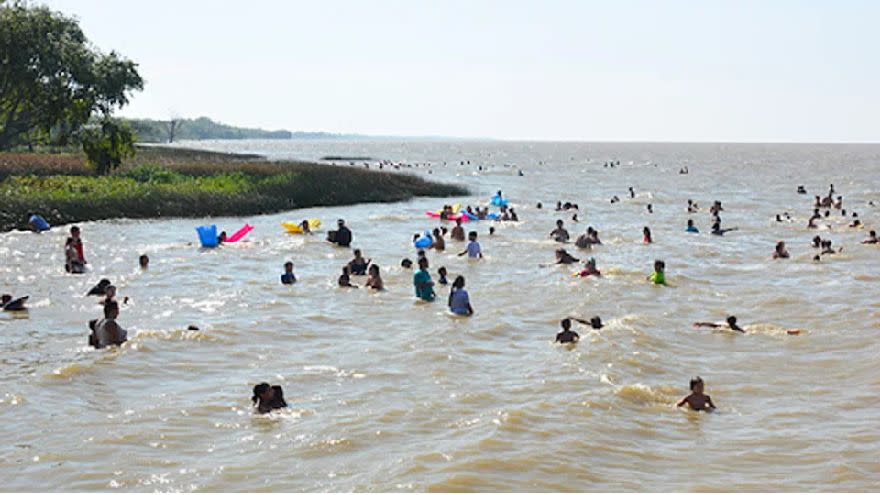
(697, 400)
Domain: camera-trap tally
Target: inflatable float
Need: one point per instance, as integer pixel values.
(462, 216)
(39, 223)
(240, 233)
(498, 201)
(424, 241)
(296, 228)
(490, 216)
(208, 235)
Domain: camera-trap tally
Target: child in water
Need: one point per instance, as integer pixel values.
(288, 278)
(780, 252)
(647, 235)
(374, 280)
(697, 400)
(345, 279)
(473, 248)
(659, 275)
(691, 228)
(441, 272)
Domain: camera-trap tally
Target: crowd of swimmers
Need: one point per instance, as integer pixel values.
(107, 331)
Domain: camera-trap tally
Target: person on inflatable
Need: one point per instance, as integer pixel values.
(305, 227)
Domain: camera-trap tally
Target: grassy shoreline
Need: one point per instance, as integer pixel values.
(165, 182)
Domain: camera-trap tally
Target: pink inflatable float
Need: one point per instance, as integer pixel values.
(240, 233)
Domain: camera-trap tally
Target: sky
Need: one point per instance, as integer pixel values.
(702, 70)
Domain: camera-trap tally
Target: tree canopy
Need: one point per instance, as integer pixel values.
(52, 78)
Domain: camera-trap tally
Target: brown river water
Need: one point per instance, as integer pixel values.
(387, 394)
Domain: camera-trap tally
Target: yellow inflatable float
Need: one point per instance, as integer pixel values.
(296, 228)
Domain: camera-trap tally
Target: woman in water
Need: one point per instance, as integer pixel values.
(73, 263)
(459, 300)
(374, 281)
(697, 400)
(358, 266)
(267, 398)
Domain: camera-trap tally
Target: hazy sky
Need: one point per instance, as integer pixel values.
(564, 70)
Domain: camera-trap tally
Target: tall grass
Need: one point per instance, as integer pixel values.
(59, 188)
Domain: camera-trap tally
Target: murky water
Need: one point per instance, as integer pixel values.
(387, 394)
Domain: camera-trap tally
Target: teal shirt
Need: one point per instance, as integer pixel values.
(423, 291)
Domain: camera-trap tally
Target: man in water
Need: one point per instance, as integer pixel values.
(457, 233)
(343, 234)
(730, 324)
(559, 234)
(422, 282)
(567, 335)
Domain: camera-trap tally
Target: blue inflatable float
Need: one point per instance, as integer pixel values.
(424, 241)
(208, 236)
(38, 223)
(498, 201)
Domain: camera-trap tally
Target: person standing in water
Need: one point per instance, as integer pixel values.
(473, 248)
(559, 234)
(107, 332)
(439, 243)
(457, 233)
(647, 236)
(459, 301)
(697, 400)
(422, 282)
(659, 275)
(374, 281)
(288, 278)
(358, 265)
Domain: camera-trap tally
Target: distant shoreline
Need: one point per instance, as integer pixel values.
(170, 182)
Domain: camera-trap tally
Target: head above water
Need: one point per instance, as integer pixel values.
(144, 261)
(288, 267)
(731, 320)
(458, 283)
(566, 324)
(406, 263)
(596, 322)
(340, 222)
(262, 392)
(697, 385)
(423, 263)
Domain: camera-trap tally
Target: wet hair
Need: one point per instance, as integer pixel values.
(143, 259)
(441, 270)
(74, 229)
(357, 252)
(596, 322)
(458, 283)
(259, 390)
(695, 381)
(731, 320)
(289, 263)
(406, 262)
(5, 298)
(566, 323)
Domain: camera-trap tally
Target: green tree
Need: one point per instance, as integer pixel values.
(107, 145)
(51, 77)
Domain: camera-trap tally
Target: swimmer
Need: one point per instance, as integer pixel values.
(473, 247)
(441, 273)
(305, 227)
(650, 208)
(817, 242)
(513, 216)
(288, 278)
(567, 335)
(780, 252)
(583, 241)
(717, 230)
(107, 331)
(345, 279)
(267, 398)
(7, 303)
(144, 261)
(632, 193)
(438, 243)
(559, 234)
(459, 301)
(730, 324)
(491, 230)
(559, 206)
(406, 263)
(593, 235)
(358, 265)
(872, 238)
(563, 258)
(647, 236)
(100, 289)
(422, 282)
(574, 218)
(697, 400)
(801, 190)
(590, 269)
(221, 238)
(539, 205)
(374, 280)
(659, 275)
(691, 228)
(457, 231)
